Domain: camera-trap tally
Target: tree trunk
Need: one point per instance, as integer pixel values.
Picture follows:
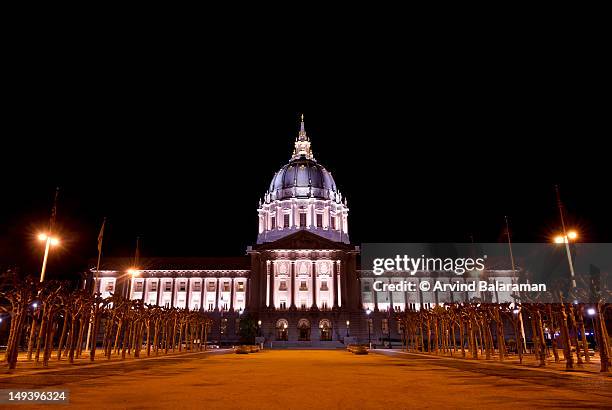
(567, 348)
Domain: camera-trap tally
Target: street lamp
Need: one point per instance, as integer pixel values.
(133, 272)
(49, 241)
(566, 238)
(348, 323)
(259, 327)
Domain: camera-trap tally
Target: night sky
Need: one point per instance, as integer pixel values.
(182, 163)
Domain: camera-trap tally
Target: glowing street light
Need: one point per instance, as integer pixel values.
(566, 239)
(571, 236)
(591, 312)
(49, 241)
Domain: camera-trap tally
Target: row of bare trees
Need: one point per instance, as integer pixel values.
(48, 319)
(480, 329)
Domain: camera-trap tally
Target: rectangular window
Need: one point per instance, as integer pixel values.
(211, 287)
(319, 220)
(303, 285)
(283, 285)
(366, 287)
(324, 305)
(302, 219)
(153, 286)
(324, 285)
(385, 326)
(167, 286)
(303, 304)
(182, 286)
(109, 287)
(273, 222)
(138, 287)
(333, 222)
(283, 304)
(226, 286)
(240, 286)
(286, 220)
(197, 286)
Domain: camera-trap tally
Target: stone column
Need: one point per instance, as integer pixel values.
(202, 293)
(217, 295)
(314, 284)
(267, 283)
(159, 290)
(272, 289)
(231, 307)
(335, 283)
(405, 296)
(172, 293)
(292, 272)
(187, 293)
(339, 285)
(390, 296)
(375, 299)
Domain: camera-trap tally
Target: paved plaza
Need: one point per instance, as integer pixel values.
(295, 379)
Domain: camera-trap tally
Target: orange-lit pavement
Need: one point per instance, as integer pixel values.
(315, 379)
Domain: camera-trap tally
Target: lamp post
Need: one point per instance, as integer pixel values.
(566, 237)
(348, 323)
(133, 272)
(259, 328)
(591, 312)
(49, 241)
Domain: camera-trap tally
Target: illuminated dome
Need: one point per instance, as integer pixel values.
(303, 196)
(302, 178)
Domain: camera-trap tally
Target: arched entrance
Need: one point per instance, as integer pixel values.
(281, 329)
(304, 329)
(325, 327)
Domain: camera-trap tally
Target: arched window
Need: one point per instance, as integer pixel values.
(281, 329)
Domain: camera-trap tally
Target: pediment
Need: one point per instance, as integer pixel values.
(304, 240)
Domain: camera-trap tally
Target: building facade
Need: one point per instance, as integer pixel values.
(301, 279)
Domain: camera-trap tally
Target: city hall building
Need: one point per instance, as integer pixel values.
(301, 278)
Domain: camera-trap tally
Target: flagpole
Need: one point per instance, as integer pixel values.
(97, 279)
(520, 315)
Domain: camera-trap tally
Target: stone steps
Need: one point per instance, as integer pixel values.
(311, 344)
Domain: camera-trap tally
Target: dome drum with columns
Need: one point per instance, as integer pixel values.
(303, 196)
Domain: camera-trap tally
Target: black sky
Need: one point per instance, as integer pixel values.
(181, 157)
